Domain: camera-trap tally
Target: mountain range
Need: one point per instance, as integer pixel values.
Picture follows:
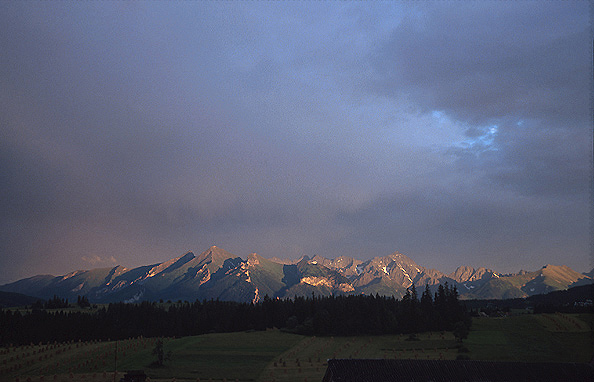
(218, 274)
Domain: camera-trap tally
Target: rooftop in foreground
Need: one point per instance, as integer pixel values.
(385, 370)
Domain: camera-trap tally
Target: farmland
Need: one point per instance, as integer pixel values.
(273, 355)
(533, 338)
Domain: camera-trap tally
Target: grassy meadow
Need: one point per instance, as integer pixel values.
(274, 356)
(533, 338)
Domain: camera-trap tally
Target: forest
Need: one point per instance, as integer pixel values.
(315, 315)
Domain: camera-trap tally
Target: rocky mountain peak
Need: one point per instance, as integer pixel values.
(214, 253)
(187, 257)
(317, 259)
(561, 272)
(253, 259)
(216, 273)
(402, 259)
(465, 274)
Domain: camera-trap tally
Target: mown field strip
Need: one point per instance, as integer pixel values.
(306, 361)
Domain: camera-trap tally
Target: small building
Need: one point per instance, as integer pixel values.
(388, 370)
(134, 376)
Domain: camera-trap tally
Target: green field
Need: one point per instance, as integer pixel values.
(306, 361)
(276, 356)
(533, 338)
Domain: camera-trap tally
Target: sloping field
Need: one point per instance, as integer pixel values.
(274, 356)
(532, 338)
(65, 361)
(263, 356)
(306, 361)
(219, 356)
(560, 322)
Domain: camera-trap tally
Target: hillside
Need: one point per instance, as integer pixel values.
(10, 299)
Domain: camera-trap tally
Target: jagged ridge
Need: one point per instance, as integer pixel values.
(218, 274)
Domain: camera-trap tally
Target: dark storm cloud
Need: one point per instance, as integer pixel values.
(132, 132)
(543, 161)
(129, 135)
(532, 159)
(502, 231)
(517, 76)
(481, 61)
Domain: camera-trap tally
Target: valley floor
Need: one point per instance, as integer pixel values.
(274, 356)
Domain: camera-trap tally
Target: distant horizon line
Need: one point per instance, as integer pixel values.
(288, 262)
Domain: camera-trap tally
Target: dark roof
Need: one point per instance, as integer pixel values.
(134, 376)
(391, 370)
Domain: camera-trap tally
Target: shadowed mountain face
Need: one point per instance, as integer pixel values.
(218, 274)
(548, 279)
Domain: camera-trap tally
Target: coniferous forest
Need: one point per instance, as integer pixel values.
(321, 316)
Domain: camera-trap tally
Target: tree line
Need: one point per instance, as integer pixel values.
(315, 315)
(60, 303)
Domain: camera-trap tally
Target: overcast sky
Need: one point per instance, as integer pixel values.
(456, 133)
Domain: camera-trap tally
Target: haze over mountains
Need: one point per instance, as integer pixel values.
(218, 274)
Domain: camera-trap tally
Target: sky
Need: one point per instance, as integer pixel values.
(456, 133)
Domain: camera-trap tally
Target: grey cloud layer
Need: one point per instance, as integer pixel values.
(137, 131)
(484, 61)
